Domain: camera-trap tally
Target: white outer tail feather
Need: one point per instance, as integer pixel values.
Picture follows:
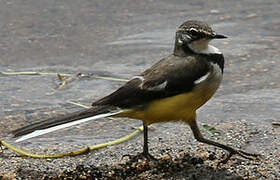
(61, 126)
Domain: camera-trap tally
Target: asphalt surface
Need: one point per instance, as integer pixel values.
(121, 39)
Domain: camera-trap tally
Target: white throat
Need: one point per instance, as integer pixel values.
(202, 47)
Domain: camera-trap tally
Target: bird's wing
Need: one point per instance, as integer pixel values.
(170, 76)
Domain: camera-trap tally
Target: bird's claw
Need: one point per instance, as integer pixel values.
(241, 153)
(142, 155)
(1, 147)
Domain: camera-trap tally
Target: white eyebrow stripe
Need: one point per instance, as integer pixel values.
(193, 29)
(202, 78)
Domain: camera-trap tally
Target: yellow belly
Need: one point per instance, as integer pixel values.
(180, 107)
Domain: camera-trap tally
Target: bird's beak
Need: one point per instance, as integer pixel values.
(218, 36)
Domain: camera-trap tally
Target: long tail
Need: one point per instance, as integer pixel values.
(53, 124)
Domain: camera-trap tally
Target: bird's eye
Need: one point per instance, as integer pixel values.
(194, 32)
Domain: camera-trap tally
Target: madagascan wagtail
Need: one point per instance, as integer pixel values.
(171, 90)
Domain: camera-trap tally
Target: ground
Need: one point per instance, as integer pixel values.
(121, 39)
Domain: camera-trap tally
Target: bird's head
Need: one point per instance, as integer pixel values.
(195, 35)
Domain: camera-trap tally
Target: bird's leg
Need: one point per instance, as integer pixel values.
(146, 153)
(145, 145)
(1, 148)
(198, 136)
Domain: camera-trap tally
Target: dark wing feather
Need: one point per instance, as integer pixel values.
(55, 121)
(175, 74)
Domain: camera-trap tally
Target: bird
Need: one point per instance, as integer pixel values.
(171, 90)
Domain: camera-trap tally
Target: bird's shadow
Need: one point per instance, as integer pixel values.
(184, 166)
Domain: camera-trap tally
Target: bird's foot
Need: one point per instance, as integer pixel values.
(241, 153)
(1, 147)
(140, 156)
